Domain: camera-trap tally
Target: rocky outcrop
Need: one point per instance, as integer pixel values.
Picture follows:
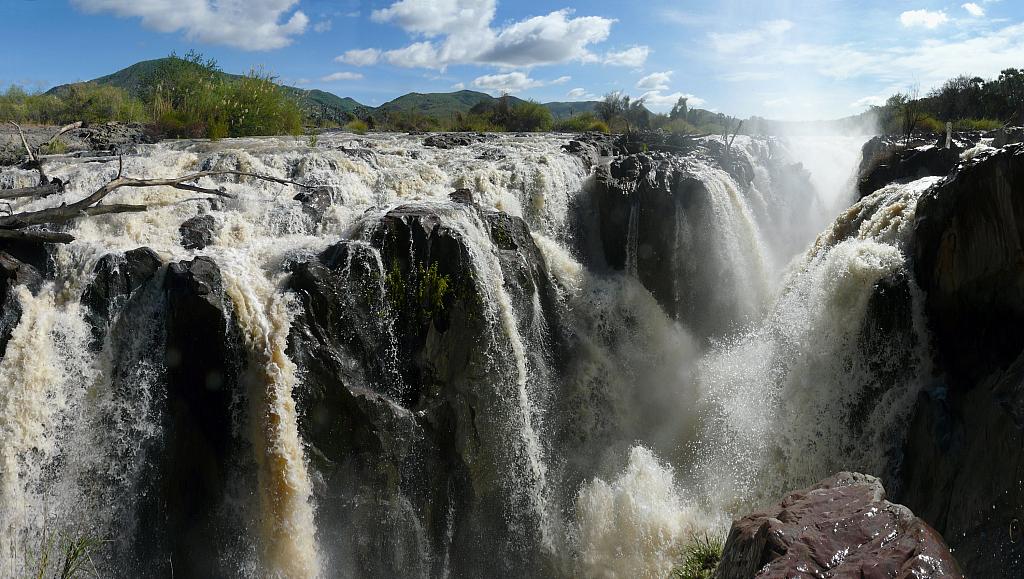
(117, 278)
(198, 232)
(840, 527)
(963, 467)
(404, 370)
(104, 138)
(13, 273)
(316, 202)
(902, 165)
(453, 140)
(202, 362)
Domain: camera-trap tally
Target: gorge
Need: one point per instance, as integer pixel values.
(541, 355)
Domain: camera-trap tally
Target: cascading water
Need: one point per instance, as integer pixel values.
(469, 393)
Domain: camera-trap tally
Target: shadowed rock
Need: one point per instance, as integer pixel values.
(198, 232)
(12, 274)
(116, 278)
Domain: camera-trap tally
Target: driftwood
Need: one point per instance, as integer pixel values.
(13, 226)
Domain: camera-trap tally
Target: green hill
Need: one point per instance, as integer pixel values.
(140, 78)
(443, 105)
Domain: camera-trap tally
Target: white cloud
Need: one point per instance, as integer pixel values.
(511, 82)
(923, 18)
(659, 102)
(634, 57)
(459, 86)
(322, 26)
(360, 57)
(561, 80)
(974, 9)
(729, 42)
(576, 93)
(655, 81)
(461, 32)
(244, 24)
(868, 101)
(334, 77)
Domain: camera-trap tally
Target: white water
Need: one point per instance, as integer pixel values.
(761, 409)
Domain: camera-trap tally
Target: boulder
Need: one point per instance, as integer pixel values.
(453, 140)
(198, 232)
(316, 202)
(840, 527)
(1007, 136)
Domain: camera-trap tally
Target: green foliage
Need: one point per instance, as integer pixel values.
(700, 557)
(581, 123)
(54, 147)
(357, 126)
(432, 290)
(976, 125)
(428, 289)
(528, 117)
(86, 102)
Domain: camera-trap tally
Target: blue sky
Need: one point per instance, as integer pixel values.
(774, 58)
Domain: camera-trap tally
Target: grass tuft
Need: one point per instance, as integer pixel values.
(700, 558)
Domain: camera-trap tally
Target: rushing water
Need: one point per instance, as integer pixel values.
(643, 433)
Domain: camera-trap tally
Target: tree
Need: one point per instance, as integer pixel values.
(612, 107)
(679, 110)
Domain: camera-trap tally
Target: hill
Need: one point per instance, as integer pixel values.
(442, 105)
(140, 78)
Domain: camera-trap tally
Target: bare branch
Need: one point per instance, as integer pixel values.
(39, 191)
(34, 236)
(64, 129)
(28, 149)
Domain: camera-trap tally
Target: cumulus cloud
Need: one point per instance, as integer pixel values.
(244, 24)
(334, 77)
(660, 102)
(729, 42)
(360, 57)
(462, 32)
(655, 81)
(459, 86)
(923, 18)
(634, 57)
(974, 9)
(509, 82)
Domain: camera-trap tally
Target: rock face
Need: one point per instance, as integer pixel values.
(198, 232)
(117, 279)
(203, 362)
(13, 273)
(963, 466)
(882, 166)
(404, 369)
(453, 140)
(840, 527)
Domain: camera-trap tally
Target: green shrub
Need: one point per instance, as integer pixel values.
(528, 117)
(930, 124)
(581, 123)
(357, 126)
(477, 123)
(977, 125)
(700, 557)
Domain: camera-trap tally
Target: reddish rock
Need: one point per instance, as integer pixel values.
(840, 527)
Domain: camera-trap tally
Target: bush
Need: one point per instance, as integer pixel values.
(529, 116)
(700, 557)
(581, 123)
(977, 125)
(476, 123)
(357, 126)
(930, 124)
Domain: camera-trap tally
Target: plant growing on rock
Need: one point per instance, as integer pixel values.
(700, 558)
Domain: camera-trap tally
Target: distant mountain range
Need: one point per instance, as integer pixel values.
(139, 78)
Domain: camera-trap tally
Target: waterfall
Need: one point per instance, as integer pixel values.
(559, 418)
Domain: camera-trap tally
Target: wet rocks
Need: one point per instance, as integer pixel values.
(840, 527)
(890, 165)
(198, 232)
(963, 468)
(453, 140)
(1007, 136)
(316, 201)
(117, 278)
(13, 273)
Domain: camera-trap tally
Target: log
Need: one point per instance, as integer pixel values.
(38, 191)
(34, 236)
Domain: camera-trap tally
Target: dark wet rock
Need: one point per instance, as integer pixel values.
(905, 165)
(1006, 136)
(963, 469)
(403, 387)
(969, 247)
(840, 527)
(198, 232)
(13, 273)
(316, 201)
(453, 140)
(202, 371)
(463, 195)
(114, 136)
(592, 147)
(117, 278)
